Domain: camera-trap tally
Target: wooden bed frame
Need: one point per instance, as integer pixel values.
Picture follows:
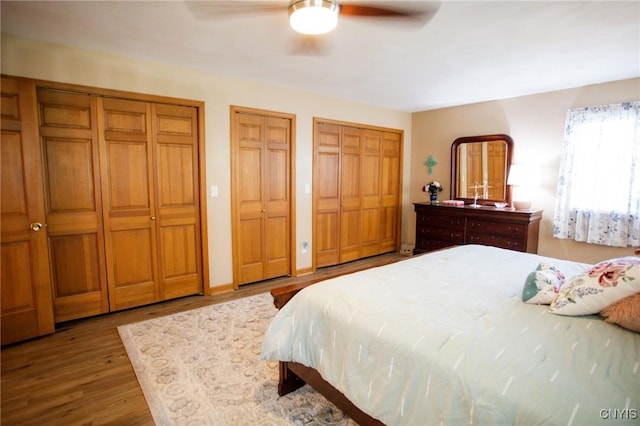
(293, 376)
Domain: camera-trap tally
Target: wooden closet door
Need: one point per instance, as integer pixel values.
(391, 186)
(357, 187)
(175, 132)
(371, 192)
(277, 256)
(129, 202)
(249, 198)
(68, 134)
(261, 193)
(326, 190)
(350, 194)
(27, 309)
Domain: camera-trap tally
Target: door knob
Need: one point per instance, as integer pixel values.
(36, 226)
(153, 218)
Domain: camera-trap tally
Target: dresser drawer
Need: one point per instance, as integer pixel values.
(453, 236)
(436, 221)
(505, 229)
(517, 244)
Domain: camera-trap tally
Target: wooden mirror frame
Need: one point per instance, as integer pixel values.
(454, 166)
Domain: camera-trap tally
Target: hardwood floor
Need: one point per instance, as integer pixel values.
(81, 375)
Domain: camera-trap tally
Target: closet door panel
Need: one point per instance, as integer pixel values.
(350, 194)
(74, 267)
(182, 265)
(327, 208)
(277, 249)
(326, 189)
(126, 146)
(250, 205)
(133, 278)
(371, 192)
(176, 166)
(326, 240)
(69, 138)
(26, 306)
(391, 169)
(277, 196)
(69, 161)
(251, 242)
(128, 176)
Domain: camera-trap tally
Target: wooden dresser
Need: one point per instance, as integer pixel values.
(439, 226)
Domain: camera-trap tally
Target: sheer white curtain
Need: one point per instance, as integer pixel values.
(598, 196)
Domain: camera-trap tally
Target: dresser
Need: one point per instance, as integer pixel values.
(439, 226)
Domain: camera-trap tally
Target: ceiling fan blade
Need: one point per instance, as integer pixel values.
(412, 10)
(204, 10)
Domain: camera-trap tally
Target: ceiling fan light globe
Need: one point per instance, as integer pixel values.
(313, 16)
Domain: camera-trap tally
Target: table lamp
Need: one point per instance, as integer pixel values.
(524, 177)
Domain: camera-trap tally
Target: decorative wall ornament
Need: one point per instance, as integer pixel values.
(430, 163)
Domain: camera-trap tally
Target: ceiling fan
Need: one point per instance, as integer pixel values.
(321, 16)
(314, 17)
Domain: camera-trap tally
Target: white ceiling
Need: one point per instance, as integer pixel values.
(469, 51)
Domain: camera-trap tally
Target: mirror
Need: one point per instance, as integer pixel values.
(479, 167)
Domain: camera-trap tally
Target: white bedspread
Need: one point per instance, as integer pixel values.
(445, 338)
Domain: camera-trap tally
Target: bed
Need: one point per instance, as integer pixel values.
(445, 338)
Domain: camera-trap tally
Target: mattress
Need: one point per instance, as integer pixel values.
(444, 338)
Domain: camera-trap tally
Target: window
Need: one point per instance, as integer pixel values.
(598, 196)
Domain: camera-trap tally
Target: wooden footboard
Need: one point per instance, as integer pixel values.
(294, 375)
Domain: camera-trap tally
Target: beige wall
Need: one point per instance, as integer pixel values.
(536, 124)
(34, 59)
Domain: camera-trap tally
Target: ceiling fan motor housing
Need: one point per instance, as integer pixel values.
(313, 16)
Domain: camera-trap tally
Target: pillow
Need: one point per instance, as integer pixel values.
(542, 285)
(602, 285)
(625, 313)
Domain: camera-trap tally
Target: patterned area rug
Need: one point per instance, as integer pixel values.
(203, 367)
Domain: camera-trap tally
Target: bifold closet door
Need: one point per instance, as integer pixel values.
(27, 309)
(129, 199)
(69, 139)
(176, 171)
(356, 192)
(338, 194)
(149, 170)
(371, 179)
(351, 184)
(326, 192)
(261, 148)
(391, 172)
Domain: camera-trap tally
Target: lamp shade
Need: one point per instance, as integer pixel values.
(313, 16)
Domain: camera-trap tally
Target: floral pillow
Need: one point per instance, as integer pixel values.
(602, 285)
(542, 285)
(625, 313)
